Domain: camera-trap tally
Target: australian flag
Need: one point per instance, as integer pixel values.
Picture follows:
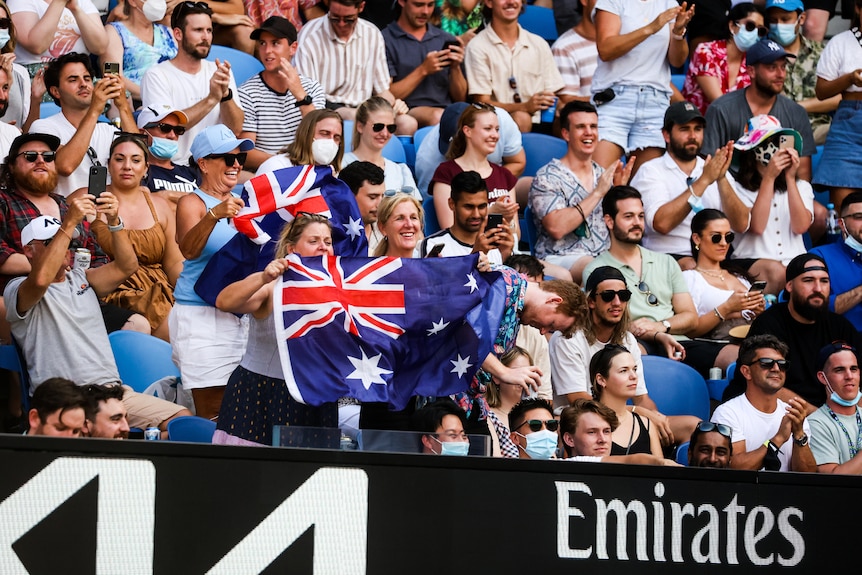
(384, 329)
(272, 200)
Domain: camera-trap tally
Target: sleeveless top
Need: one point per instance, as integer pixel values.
(640, 445)
(261, 352)
(138, 56)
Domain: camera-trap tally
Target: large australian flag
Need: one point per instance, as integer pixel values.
(384, 329)
(272, 200)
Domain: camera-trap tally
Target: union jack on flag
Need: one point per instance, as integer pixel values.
(384, 329)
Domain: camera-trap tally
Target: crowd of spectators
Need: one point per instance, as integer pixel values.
(685, 216)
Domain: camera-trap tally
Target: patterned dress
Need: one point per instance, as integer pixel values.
(710, 59)
(138, 56)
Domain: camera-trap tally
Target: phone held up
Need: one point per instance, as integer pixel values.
(98, 180)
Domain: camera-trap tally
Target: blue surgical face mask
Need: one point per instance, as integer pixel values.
(164, 148)
(459, 448)
(4, 37)
(853, 244)
(840, 400)
(784, 34)
(541, 444)
(745, 39)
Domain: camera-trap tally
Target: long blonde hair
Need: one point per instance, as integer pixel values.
(372, 104)
(299, 151)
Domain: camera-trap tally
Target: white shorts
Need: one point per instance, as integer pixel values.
(207, 344)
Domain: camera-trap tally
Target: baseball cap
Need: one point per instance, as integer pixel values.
(157, 113)
(278, 27)
(827, 350)
(449, 124)
(762, 127)
(797, 266)
(766, 51)
(600, 274)
(41, 228)
(680, 113)
(53, 142)
(786, 5)
(218, 139)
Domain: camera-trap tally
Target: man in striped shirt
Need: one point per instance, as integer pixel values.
(275, 100)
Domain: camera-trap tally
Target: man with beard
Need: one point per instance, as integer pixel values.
(679, 184)
(767, 423)
(84, 140)
(469, 204)
(106, 416)
(202, 90)
(805, 324)
(727, 116)
(8, 132)
(660, 300)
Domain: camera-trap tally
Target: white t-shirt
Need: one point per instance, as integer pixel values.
(754, 427)
(7, 134)
(841, 55)
(166, 84)
(274, 163)
(395, 176)
(570, 364)
(67, 38)
(100, 142)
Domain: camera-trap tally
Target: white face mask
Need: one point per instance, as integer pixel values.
(324, 151)
(4, 37)
(154, 10)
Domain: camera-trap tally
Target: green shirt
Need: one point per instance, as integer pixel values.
(802, 78)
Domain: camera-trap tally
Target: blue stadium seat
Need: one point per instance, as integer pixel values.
(191, 429)
(678, 80)
(141, 359)
(681, 453)
(48, 109)
(716, 387)
(529, 229)
(676, 388)
(539, 21)
(432, 226)
(12, 360)
(243, 65)
(541, 149)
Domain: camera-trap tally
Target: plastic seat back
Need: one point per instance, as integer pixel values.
(141, 359)
(676, 388)
(191, 429)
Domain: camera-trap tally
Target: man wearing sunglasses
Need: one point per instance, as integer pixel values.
(836, 440)
(164, 125)
(766, 432)
(534, 429)
(710, 446)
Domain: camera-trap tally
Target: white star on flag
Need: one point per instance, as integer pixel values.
(366, 370)
(353, 228)
(471, 283)
(461, 365)
(437, 327)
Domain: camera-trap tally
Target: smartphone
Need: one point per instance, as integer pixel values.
(494, 220)
(435, 251)
(758, 286)
(112, 68)
(449, 43)
(98, 180)
(785, 141)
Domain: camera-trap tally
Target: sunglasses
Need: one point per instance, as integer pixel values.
(229, 159)
(484, 106)
(608, 295)
(651, 297)
(728, 237)
(537, 424)
(513, 84)
(343, 19)
(403, 190)
(168, 128)
(766, 363)
(707, 426)
(750, 26)
(5, 23)
(31, 157)
(379, 127)
(194, 6)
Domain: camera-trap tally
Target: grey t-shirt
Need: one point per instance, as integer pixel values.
(63, 335)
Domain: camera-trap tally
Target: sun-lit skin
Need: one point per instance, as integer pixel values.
(316, 240)
(485, 133)
(403, 230)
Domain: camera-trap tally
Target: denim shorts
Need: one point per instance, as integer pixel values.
(841, 163)
(634, 118)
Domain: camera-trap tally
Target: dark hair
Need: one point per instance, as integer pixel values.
(430, 417)
(854, 20)
(572, 414)
(572, 107)
(614, 195)
(356, 174)
(56, 394)
(492, 391)
(751, 344)
(468, 182)
(526, 264)
(742, 10)
(137, 139)
(574, 301)
(851, 198)
(600, 364)
(749, 176)
(698, 224)
(517, 415)
(55, 68)
(697, 433)
(95, 394)
(350, 3)
(185, 9)
(458, 145)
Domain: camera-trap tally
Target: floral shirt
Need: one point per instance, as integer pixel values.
(802, 78)
(710, 59)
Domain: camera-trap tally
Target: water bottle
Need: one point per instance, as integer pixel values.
(833, 231)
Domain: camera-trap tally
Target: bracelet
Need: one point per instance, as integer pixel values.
(581, 211)
(717, 313)
(67, 234)
(118, 227)
(210, 212)
(676, 36)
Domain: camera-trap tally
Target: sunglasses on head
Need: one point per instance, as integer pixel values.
(484, 107)
(707, 426)
(403, 190)
(33, 156)
(651, 297)
(380, 125)
(766, 363)
(608, 295)
(168, 128)
(5, 23)
(537, 424)
(194, 6)
(749, 26)
(229, 158)
(728, 238)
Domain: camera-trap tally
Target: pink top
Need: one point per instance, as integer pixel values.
(710, 59)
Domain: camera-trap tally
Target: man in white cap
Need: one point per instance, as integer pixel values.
(165, 125)
(54, 310)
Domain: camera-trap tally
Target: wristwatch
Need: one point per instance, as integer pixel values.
(666, 325)
(228, 96)
(304, 102)
(802, 441)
